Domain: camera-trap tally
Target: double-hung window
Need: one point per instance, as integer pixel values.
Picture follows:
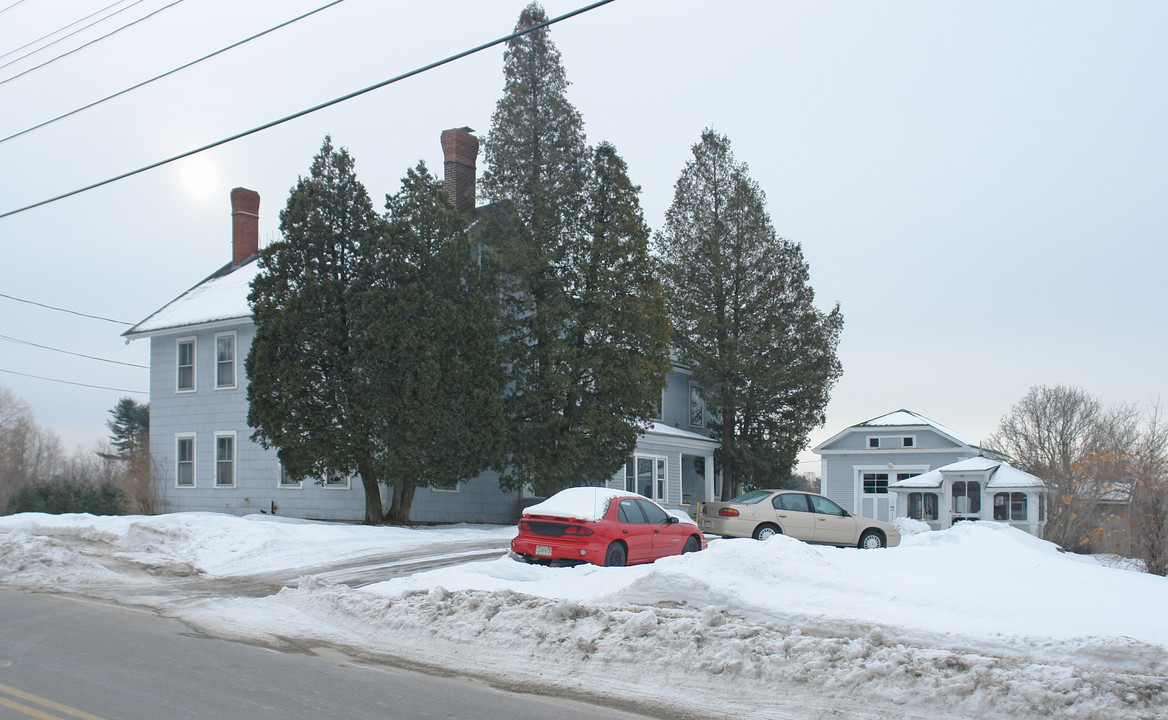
(186, 365)
(184, 462)
(697, 406)
(225, 459)
(225, 360)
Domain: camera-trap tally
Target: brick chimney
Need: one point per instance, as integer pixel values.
(461, 151)
(245, 225)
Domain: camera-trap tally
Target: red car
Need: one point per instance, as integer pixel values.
(603, 527)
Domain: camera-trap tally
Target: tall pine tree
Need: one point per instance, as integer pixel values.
(745, 318)
(427, 347)
(304, 396)
(583, 342)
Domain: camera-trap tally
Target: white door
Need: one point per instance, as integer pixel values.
(874, 496)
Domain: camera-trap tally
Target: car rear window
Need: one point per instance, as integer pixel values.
(752, 497)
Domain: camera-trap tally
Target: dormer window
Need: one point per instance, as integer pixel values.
(908, 442)
(874, 443)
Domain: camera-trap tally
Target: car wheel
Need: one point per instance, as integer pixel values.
(766, 531)
(692, 544)
(871, 539)
(615, 556)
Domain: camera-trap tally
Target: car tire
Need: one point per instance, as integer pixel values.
(766, 531)
(615, 556)
(692, 544)
(872, 540)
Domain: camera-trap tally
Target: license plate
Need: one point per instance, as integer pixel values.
(705, 523)
(544, 550)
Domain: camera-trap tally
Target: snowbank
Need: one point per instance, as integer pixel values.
(980, 620)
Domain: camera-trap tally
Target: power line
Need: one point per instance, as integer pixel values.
(91, 42)
(4, 10)
(70, 382)
(61, 29)
(171, 72)
(322, 106)
(65, 310)
(68, 352)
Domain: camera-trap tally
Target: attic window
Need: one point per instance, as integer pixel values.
(908, 442)
(873, 442)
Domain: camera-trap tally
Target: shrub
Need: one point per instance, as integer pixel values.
(65, 496)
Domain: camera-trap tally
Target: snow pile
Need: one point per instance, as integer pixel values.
(980, 620)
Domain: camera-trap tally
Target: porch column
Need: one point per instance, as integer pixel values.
(710, 479)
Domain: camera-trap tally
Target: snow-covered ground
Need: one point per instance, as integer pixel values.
(979, 621)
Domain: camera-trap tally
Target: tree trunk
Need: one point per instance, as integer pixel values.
(373, 514)
(403, 500)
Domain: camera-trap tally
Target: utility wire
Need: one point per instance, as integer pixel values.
(70, 382)
(322, 106)
(61, 29)
(91, 42)
(67, 352)
(171, 72)
(66, 37)
(71, 312)
(4, 10)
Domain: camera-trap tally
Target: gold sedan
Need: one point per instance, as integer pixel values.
(809, 517)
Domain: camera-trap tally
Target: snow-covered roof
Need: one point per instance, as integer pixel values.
(660, 428)
(1000, 475)
(223, 296)
(907, 418)
(902, 419)
(581, 503)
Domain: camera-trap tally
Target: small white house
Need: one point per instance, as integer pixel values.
(860, 463)
(979, 488)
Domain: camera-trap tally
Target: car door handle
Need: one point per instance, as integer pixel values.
(782, 515)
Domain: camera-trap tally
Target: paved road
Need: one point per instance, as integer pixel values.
(71, 659)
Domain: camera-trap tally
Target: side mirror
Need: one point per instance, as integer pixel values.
(672, 520)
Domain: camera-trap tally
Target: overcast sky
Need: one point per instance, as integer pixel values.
(981, 186)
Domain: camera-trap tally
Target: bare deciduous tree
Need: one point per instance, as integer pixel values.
(1105, 469)
(1065, 436)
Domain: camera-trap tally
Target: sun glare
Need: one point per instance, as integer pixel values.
(199, 177)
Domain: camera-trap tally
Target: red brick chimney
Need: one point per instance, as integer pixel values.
(245, 225)
(461, 151)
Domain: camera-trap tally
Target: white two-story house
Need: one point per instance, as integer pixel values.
(202, 446)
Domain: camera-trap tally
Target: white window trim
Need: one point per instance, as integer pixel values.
(892, 469)
(913, 438)
(689, 405)
(348, 484)
(660, 416)
(194, 341)
(234, 360)
(655, 458)
(868, 442)
(194, 460)
(456, 489)
(298, 485)
(234, 459)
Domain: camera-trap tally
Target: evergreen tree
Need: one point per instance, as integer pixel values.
(426, 348)
(745, 318)
(304, 397)
(585, 362)
(129, 427)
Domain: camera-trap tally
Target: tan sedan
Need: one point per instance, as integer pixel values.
(804, 516)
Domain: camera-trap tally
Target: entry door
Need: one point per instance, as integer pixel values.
(874, 496)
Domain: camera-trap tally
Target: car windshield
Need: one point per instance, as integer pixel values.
(752, 497)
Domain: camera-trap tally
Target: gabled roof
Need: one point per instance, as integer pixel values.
(1000, 475)
(904, 419)
(222, 296)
